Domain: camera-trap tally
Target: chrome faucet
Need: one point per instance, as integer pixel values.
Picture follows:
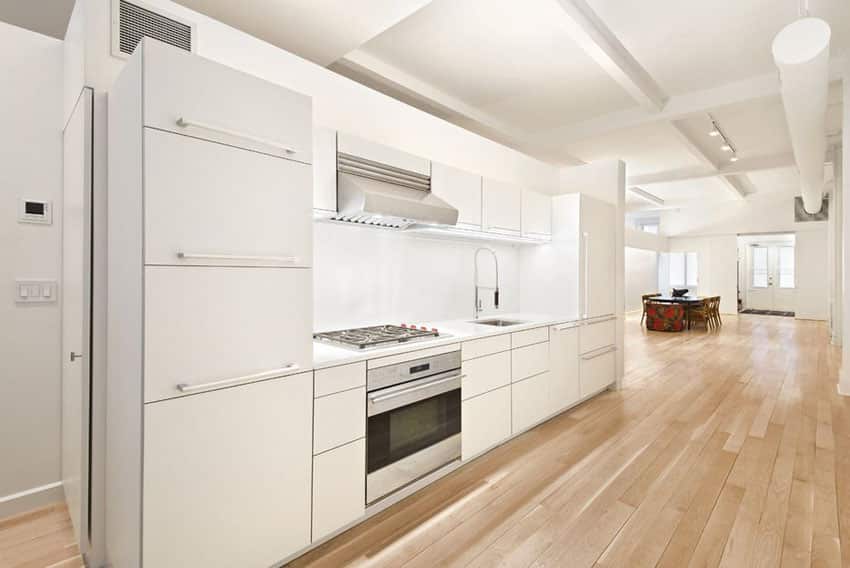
(478, 306)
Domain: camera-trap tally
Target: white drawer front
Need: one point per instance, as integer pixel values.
(597, 372)
(596, 335)
(213, 326)
(486, 346)
(529, 337)
(486, 374)
(529, 361)
(340, 418)
(224, 206)
(219, 460)
(339, 488)
(227, 105)
(337, 379)
(485, 421)
(530, 402)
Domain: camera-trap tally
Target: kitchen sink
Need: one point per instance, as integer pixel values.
(498, 322)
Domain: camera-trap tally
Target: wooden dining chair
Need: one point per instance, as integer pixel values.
(643, 300)
(699, 312)
(715, 311)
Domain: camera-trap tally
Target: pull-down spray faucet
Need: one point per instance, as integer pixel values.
(478, 307)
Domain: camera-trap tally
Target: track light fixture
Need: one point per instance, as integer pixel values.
(727, 146)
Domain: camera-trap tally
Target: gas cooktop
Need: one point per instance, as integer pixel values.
(377, 336)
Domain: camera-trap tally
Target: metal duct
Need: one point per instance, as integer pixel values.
(801, 52)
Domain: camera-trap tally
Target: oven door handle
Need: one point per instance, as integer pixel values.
(434, 386)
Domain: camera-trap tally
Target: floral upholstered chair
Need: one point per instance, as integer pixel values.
(665, 317)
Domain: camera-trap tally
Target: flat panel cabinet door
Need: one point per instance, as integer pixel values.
(529, 402)
(460, 189)
(536, 215)
(217, 205)
(485, 421)
(501, 205)
(386, 155)
(564, 357)
(191, 95)
(598, 371)
(324, 169)
(598, 257)
(227, 476)
(339, 488)
(219, 325)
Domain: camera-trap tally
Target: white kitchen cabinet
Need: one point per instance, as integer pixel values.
(361, 148)
(339, 488)
(340, 418)
(324, 169)
(536, 215)
(227, 476)
(209, 324)
(501, 206)
(485, 346)
(485, 421)
(339, 378)
(598, 257)
(485, 374)
(598, 371)
(461, 190)
(529, 402)
(529, 337)
(530, 360)
(564, 388)
(598, 334)
(198, 97)
(219, 205)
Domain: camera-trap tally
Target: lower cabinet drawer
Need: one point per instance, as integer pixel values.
(485, 374)
(597, 372)
(226, 475)
(485, 421)
(339, 488)
(596, 335)
(529, 361)
(340, 418)
(530, 402)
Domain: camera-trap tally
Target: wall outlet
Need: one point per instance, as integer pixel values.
(36, 291)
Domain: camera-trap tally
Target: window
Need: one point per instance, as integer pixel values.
(650, 228)
(786, 267)
(759, 267)
(677, 269)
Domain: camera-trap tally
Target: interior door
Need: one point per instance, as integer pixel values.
(76, 314)
(771, 278)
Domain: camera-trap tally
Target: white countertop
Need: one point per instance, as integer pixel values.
(451, 331)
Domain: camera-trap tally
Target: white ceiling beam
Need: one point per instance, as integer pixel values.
(740, 186)
(735, 188)
(593, 36)
(414, 91)
(678, 106)
(742, 166)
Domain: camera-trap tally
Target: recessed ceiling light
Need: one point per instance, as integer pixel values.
(714, 132)
(733, 159)
(726, 148)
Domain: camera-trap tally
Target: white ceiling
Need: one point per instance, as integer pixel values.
(48, 17)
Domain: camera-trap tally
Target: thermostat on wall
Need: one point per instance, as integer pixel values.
(35, 211)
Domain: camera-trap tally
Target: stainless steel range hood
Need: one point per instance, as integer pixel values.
(376, 194)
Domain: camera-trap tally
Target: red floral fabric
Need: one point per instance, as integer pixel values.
(665, 317)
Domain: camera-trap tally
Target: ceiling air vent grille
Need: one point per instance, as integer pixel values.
(132, 22)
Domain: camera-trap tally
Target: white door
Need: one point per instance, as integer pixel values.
(770, 278)
(76, 314)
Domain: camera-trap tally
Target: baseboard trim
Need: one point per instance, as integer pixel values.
(30, 499)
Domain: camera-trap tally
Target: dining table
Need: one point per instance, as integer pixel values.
(687, 301)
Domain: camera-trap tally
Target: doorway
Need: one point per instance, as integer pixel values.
(766, 274)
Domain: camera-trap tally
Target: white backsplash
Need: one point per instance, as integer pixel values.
(364, 276)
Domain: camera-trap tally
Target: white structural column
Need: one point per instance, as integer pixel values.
(844, 188)
(835, 236)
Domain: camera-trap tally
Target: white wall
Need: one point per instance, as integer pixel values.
(368, 276)
(811, 297)
(31, 166)
(717, 262)
(641, 275)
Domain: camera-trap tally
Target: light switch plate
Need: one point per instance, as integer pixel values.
(35, 291)
(35, 211)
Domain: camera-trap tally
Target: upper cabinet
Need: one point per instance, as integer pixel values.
(536, 215)
(462, 190)
(501, 206)
(324, 169)
(348, 144)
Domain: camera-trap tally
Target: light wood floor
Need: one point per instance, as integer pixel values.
(723, 448)
(40, 539)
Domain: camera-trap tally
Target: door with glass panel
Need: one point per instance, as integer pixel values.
(771, 278)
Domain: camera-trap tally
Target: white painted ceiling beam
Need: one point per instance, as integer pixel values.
(743, 166)
(737, 189)
(678, 106)
(593, 36)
